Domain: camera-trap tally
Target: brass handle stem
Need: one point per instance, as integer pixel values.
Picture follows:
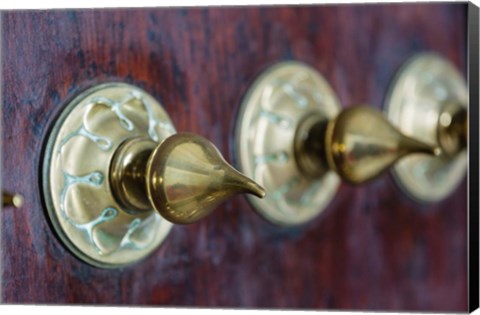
(359, 144)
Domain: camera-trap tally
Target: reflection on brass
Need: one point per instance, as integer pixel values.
(12, 200)
(112, 159)
(187, 178)
(452, 128)
(184, 178)
(428, 100)
(359, 144)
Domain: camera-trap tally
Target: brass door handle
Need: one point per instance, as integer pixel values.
(359, 145)
(305, 143)
(116, 175)
(183, 178)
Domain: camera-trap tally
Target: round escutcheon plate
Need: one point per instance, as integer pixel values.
(277, 102)
(423, 86)
(76, 167)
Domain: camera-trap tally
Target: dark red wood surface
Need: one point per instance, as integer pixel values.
(371, 249)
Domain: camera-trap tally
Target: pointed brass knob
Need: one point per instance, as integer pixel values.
(359, 145)
(183, 178)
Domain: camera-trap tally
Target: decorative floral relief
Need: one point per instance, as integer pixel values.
(96, 179)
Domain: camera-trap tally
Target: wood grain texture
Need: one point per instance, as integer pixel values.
(371, 249)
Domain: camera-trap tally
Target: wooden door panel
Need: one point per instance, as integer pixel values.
(371, 249)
